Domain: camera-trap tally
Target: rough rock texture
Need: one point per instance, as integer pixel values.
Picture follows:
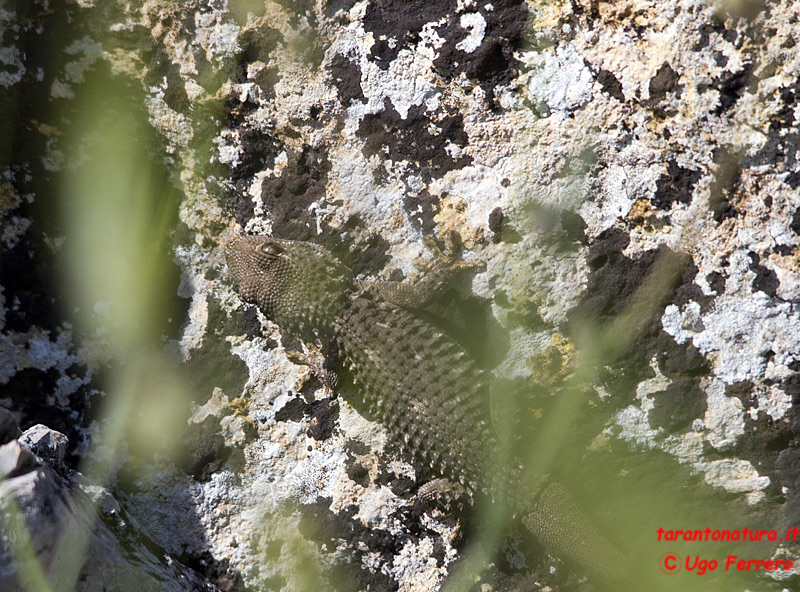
(60, 513)
(628, 171)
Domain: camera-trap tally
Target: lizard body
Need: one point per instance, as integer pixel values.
(396, 357)
(413, 378)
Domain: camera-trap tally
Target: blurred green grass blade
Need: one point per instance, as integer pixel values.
(30, 573)
(116, 210)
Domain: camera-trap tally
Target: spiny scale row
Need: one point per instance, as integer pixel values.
(425, 389)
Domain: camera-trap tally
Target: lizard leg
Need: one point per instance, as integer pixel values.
(319, 364)
(440, 492)
(437, 274)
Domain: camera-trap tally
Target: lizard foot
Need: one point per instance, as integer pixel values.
(447, 258)
(441, 493)
(436, 274)
(318, 365)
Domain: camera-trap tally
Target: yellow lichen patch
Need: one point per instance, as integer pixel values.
(555, 363)
(642, 214)
(9, 199)
(789, 262)
(240, 406)
(787, 268)
(452, 217)
(546, 13)
(48, 131)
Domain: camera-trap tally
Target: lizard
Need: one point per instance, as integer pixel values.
(412, 377)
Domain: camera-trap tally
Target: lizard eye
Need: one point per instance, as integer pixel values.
(270, 249)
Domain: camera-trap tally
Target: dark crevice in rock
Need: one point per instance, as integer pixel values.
(421, 208)
(664, 81)
(610, 84)
(215, 570)
(347, 77)
(792, 179)
(732, 86)
(32, 396)
(716, 281)
(257, 46)
(764, 441)
(675, 185)
(678, 405)
(389, 136)
(258, 152)
(784, 119)
(324, 418)
(795, 225)
(370, 255)
(323, 415)
(29, 284)
(357, 472)
(212, 364)
(295, 410)
(727, 179)
(574, 228)
(766, 280)
(613, 287)
(208, 452)
(397, 25)
(493, 63)
(287, 197)
(707, 29)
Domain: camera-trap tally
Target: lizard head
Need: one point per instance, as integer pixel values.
(297, 285)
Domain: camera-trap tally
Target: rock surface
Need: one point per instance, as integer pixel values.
(68, 539)
(628, 171)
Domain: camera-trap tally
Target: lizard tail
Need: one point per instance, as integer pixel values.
(558, 522)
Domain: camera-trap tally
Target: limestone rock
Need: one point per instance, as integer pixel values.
(628, 171)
